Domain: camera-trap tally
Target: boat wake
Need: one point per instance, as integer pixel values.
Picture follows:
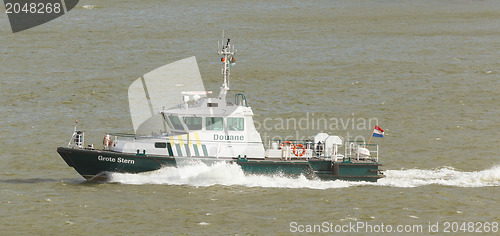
(199, 174)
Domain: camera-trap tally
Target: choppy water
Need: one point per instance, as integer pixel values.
(428, 71)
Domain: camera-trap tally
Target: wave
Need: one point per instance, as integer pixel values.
(446, 176)
(227, 174)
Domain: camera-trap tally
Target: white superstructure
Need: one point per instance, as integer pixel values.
(202, 126)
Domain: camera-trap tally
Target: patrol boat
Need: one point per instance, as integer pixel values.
(210, 130)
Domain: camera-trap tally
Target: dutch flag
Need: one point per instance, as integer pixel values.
(378, 132)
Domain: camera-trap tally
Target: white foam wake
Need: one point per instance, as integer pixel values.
(199, 174)
(447, 176)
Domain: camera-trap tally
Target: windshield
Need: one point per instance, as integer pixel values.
(214, 123)
(193, 123)
(235, 124)
(176, 122)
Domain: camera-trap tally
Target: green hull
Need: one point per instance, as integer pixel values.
(91, 163)
(320, 168)
(94, 163)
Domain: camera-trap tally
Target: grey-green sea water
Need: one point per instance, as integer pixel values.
(426, 71)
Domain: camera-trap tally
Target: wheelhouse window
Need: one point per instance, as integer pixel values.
(235, 123)
(193, 123)
(176, 122)
(214, 123)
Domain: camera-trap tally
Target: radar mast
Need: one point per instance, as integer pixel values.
(228, 60)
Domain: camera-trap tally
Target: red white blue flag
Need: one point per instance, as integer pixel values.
(378, 132)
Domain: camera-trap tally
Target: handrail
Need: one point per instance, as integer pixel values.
(122, 134)
(351, 149)
(240, 100)
(292, 140)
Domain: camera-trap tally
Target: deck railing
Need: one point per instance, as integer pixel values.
(295, 148)
(352, 150)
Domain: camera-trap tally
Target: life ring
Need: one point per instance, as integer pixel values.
(296, 152)
(286, 142)
(107, 140)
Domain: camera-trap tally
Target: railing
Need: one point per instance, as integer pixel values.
(240, 100)
(352, 150)
(77, 139)
(122, 135)
(373, 148)
(303, 149)
(297, 149)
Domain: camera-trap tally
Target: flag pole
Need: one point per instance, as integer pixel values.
(371, 136)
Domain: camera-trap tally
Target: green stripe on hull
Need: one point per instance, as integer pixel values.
(204, 147)
(196, 152)
(179, 151)
(169, 148)
(188, 152)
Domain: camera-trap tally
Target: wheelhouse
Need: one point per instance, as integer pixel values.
(188, 123)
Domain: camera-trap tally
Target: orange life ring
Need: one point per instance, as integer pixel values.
(287, 142)
(296, 152)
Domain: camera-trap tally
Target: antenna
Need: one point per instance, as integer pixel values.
(228, 60)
